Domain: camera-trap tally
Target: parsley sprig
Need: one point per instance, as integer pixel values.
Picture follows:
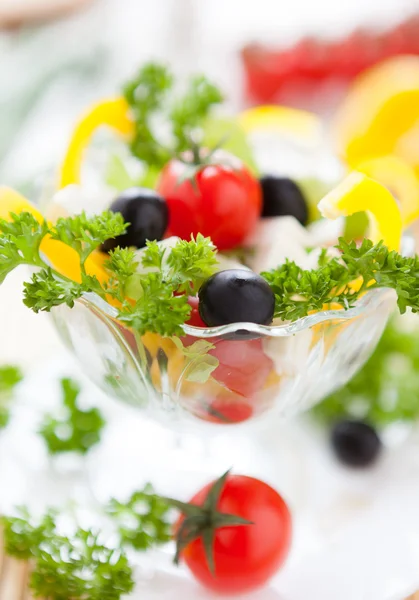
(10, 376)
(82, 566)
(159, 289)
(143, 520)
(78, 431)
(152, 287)
(298, 291)
(150, 96)
(78, 566)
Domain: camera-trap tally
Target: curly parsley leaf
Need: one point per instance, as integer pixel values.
(122, 267)
(45, 290)
(191, 263)
(154, 297)
(191, 110)
(145, 94)
(152, 256)
(22, 536)
(162, 304)
(143, 521)
(149, 301)
(85, 234)
(10, 376)
(20, 240)
(78, 566)
(149, 97)
(158, 309)
(298, 291)
(78, 431)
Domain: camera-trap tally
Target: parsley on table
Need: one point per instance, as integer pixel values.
(143, 520)
(78, 431)
(10, 376)
(22, 536)
(386, 389)
(79, 566)
(150, 96)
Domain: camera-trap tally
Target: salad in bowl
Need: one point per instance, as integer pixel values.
(191, 283)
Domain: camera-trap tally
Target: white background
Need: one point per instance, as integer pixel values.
(357, 535)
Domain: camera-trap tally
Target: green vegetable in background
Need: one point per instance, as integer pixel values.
(386, 389)
(76, 432)
(150, 97)
(228, 134)
(10, 376)
(118, 176)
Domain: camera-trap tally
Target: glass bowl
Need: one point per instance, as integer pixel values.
(237, 373)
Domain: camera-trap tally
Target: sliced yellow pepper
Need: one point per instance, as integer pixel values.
(357, 193)
(381, 107)
(400, 178)
(113, 113)
(64, 259)
(281, 119)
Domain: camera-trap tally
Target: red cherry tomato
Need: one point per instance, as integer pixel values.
(245, 556)
(228, 411)
(194, 320)
(223, 202)
(244, 367)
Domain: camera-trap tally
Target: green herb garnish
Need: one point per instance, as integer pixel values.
(23, 536)
(10, 376)
(150, 96)
(78, 566)
(298, 291)
(161, 302)
(142, 521)
(161, 291)
(78, 431)
(386, 389)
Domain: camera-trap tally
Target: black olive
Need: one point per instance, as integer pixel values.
(147, 214)
(283, 197)
(355, 443)
(236, 296)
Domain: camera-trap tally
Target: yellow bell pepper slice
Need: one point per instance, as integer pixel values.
(281, 119)
(400, 178)
(64, 259)
(113, 113)
(357, 193)
(381, 107)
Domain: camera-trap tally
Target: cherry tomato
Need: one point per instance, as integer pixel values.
(244, 367)
(194, 320)
(228, 411)
(220, 201)
(245, 556)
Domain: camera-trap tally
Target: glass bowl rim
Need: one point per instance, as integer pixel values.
(368, 302)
